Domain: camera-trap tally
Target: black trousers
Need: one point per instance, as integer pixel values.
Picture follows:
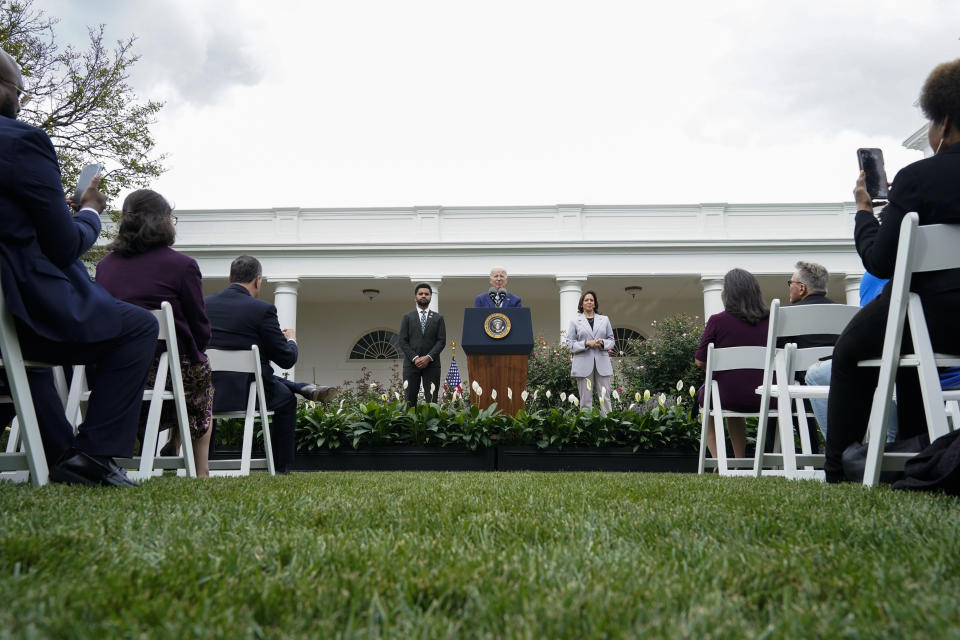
(122, 364)
(282, 400)
(429, 375)
(852, 387)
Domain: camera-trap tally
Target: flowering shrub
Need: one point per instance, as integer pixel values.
(666, 357)
(548, 369)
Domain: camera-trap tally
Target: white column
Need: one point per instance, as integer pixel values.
(712, 300)
(570, 289)
(285, 299)
(434, 282)
(851, 283)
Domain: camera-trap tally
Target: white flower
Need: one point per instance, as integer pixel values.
(693, 391)
(603, 392)
(637, 397)
(679, 399)
(524, 395)
(383, 397)
(479, 390)
(475, 386)
(340, 408)
(535, 392)
(662, 399)
(679, 385)
(433, 388)
(406, 383)
(493, 394)
(510, 394)
(574, 401)
(646, 395)
(563, 396)
(548, 394)
(373, 385)
(589, 385)
(616, 395)
(396, 395)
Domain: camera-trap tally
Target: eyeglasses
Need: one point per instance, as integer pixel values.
(22, 95)
(796, 282)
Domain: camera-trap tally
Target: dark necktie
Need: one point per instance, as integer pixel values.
(423, 321)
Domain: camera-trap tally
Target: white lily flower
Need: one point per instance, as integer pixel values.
(524, 395)
(616, 395)
(493, 394)
(589, 385)
(479, 390)
(646, 395)
(603, 392)
(548, 394)
(433, 388)
(535, 393)
(574, 401)
(662, 399)
(373, 385)
(693, 391)
(340, 408)
(383, 397)
(510, 394)
(406, 383)
(475, 386)
(679, 399)
(563, 396)
(679, 385)
(637, 397)
(396, 395)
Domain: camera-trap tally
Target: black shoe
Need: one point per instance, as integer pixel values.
(168, 450)
(318, 394)
(76, 467)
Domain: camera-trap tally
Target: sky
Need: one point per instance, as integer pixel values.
(355, 103)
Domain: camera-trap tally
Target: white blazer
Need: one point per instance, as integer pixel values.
(585, 359)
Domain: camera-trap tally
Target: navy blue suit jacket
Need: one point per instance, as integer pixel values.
(45, 285)
(483, 300)
(238, 321)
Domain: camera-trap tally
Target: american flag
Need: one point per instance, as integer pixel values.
(453, 374)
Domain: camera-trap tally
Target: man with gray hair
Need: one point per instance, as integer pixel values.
(497, 295)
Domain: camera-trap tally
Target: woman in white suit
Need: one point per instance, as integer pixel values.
(589, 339)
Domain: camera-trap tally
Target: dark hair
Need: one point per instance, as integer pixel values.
(742, 297)
(422, 285)
(244, 269)
(145, 223)
(940, 96)
(596, 302)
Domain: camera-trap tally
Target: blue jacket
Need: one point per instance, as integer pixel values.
(45, 285)
(483, 300)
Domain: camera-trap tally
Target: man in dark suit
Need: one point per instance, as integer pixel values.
(238, 320)
(61, 316)
(423, 335)
(497, 295)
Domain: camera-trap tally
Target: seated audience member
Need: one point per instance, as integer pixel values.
(929, 187)
(743, 323)
(239, 320)
(61, 316)
(142, 269)
(497, 296)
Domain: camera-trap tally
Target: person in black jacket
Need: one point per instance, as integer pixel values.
(423, 335)
(931, 187)
(238, 320)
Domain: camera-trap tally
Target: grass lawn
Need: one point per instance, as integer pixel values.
(428, 555)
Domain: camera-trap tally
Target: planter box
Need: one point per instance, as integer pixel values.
(398, 458)
(591, 459)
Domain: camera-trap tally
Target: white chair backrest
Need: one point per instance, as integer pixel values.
(247, 361)
(729, 358)
(809, 319)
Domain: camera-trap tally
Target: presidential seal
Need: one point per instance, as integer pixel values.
(497, 325)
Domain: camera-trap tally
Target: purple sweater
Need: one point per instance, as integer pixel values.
(737, 387)
(159, 275)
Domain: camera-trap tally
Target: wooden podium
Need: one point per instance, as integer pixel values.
(498, 343)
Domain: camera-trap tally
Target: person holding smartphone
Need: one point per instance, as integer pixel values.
(61, 316)
(931, 188)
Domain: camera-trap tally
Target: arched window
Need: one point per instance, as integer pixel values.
(620, 337)
(381, 344)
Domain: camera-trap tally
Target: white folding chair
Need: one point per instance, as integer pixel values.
(247, 361)
(32, 458)
(921, 249)
(148, 462)
(786, 362)
(725, 359)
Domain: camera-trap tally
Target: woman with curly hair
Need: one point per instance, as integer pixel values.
(931, 187)
(142, 269)
(742, 323)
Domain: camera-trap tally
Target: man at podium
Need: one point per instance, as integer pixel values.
(497, 295)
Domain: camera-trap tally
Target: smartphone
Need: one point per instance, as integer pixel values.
(871, 161)
(86, 177)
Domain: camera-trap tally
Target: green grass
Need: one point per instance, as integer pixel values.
(522, 555)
